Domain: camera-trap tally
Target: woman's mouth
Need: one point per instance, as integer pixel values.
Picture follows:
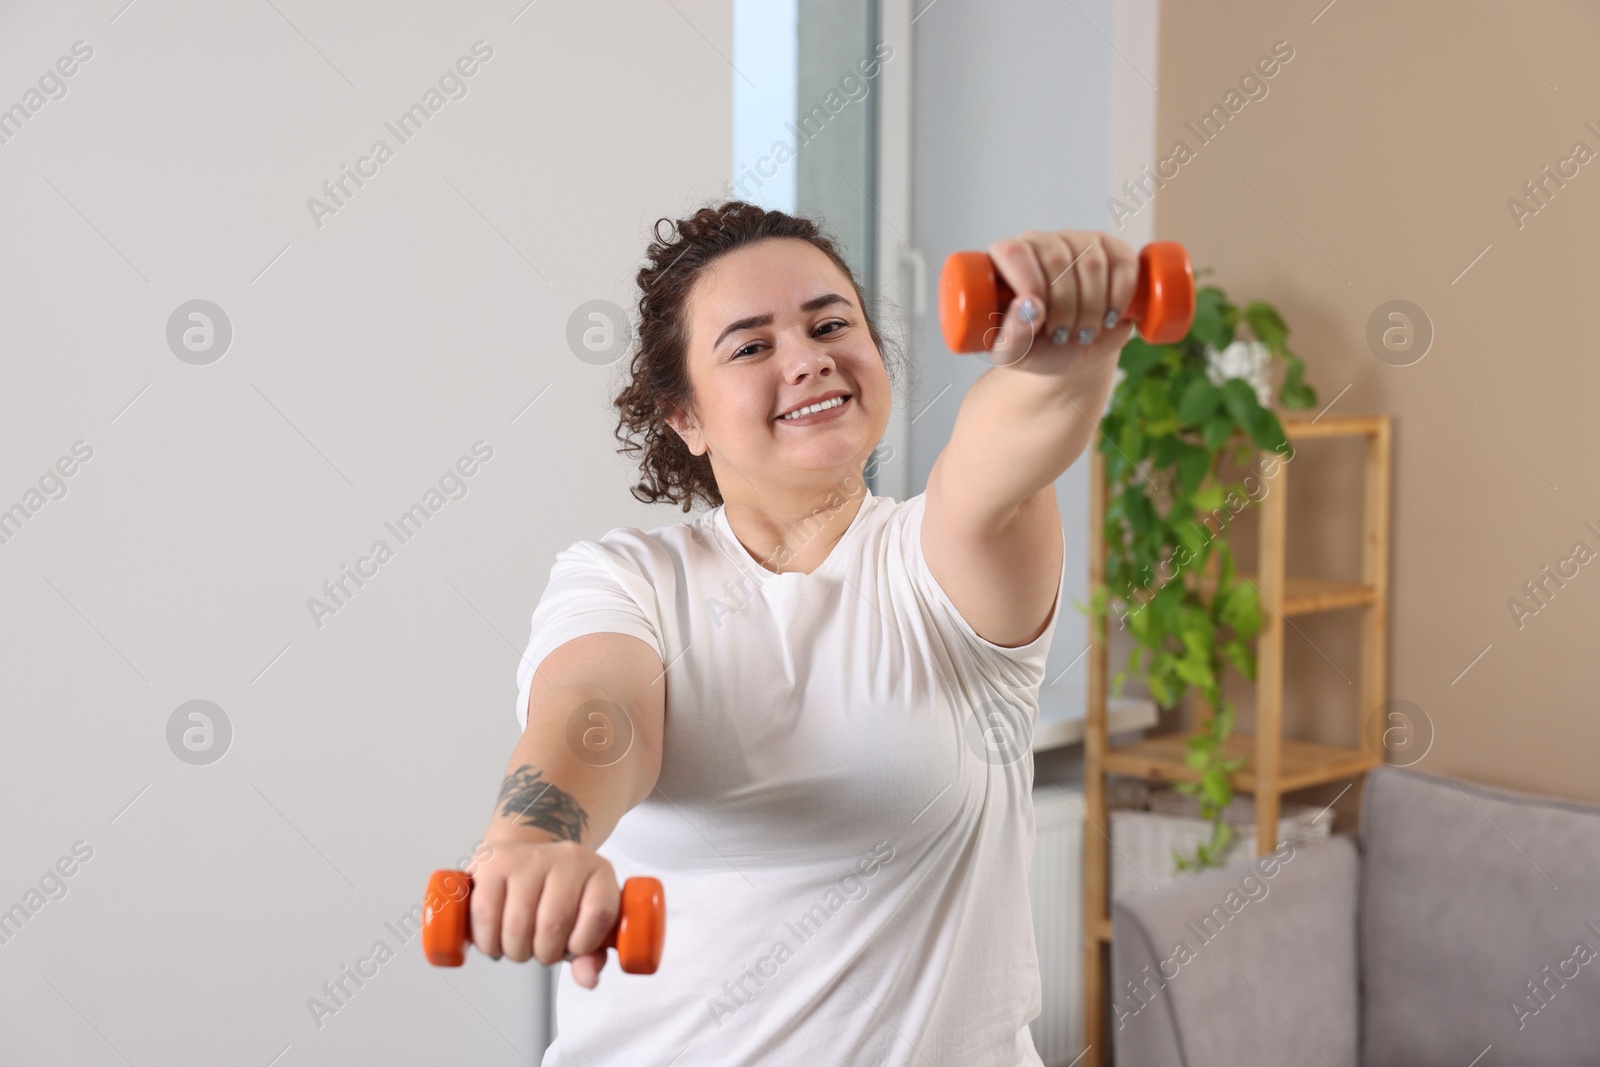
(829, 410)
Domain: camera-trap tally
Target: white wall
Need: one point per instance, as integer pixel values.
(367, 355)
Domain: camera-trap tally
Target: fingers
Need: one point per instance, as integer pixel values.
(586, 968)
(485, 907)
(1012, 334)
(598, 909)
(1056, 254)
(523, 890)
(565, 902)
(1123, 281)
(1086, 278)
(546, 901)
(1090, 269)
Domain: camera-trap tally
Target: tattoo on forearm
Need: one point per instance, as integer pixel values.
(528, 798)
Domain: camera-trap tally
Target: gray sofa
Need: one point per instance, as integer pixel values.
(1463, 931)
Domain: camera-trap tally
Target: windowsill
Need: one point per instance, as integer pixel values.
(1122, 714)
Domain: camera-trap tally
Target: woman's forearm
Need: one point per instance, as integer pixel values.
(1018, 429)
(551, 792)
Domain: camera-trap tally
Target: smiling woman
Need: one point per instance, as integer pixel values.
(862, 694)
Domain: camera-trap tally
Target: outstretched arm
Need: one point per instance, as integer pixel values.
(992, 532)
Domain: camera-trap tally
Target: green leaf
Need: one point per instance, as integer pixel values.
(1195, 671)
(1137, 507)
(1238, 653)
(1200, 400)
(1297, 397)
(1217, 429)
(1294, 393)
(1169, 602)
(1238, 608)
(1211, 318)
(1193, 464)
(1224, 718)
(1265, 324)
(1160, 417)
(1239, 398)
(1271, 435)
(1192, 537)
(1208, 499)
(1139, 622)
(1216, 788)
(1159, 690)
(1131, 441)
(1137, 357)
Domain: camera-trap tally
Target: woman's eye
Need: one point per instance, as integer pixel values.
(754, 346)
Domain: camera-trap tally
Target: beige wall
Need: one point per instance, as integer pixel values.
(1379, 165)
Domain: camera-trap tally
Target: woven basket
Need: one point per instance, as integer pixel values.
(1143, 838)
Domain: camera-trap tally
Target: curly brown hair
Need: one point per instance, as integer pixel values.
(659, 382)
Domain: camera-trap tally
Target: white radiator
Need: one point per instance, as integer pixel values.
(1056, 886)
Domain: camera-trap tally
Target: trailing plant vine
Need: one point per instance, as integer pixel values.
(1163, 437)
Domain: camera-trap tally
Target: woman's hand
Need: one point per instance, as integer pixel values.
(1079, 283)
(542, 899)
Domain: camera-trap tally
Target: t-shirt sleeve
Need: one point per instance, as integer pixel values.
(594, 587)
(1022, 666)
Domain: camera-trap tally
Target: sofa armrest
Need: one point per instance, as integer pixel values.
(1255, 963)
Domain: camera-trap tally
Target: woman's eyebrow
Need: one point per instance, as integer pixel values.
(816, 302)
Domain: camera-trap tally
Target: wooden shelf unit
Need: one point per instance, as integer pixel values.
(1274, 765)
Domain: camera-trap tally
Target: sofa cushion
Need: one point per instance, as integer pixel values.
(1479, 925)
(1252, 964)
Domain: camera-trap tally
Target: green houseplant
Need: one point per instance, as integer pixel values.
(1171, 419)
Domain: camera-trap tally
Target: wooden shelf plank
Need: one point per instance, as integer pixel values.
(1307, 596)
(1300, 427)
(1304, 596)
(1304, 763)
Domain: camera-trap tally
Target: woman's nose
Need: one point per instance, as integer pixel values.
(808, 355)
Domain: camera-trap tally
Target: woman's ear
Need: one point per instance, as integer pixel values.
(689, 430)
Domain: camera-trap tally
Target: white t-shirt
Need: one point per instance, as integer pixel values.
(843, 824)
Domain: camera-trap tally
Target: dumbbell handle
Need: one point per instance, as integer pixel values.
(637, 936)
(973, 297)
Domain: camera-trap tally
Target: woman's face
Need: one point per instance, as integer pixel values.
(773, 325)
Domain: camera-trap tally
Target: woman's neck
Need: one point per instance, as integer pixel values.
(796, 538)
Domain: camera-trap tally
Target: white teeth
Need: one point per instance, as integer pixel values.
(824, 406)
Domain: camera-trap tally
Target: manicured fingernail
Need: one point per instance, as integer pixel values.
(1059, 335)
(1028, 311)
(1111, 318)
(1085, 335)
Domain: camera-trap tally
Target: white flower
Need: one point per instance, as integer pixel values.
(1250, 360)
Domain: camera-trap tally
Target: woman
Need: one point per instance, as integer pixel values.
(812, 703)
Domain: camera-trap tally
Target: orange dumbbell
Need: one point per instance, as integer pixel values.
(973, 297)
(641, 923)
